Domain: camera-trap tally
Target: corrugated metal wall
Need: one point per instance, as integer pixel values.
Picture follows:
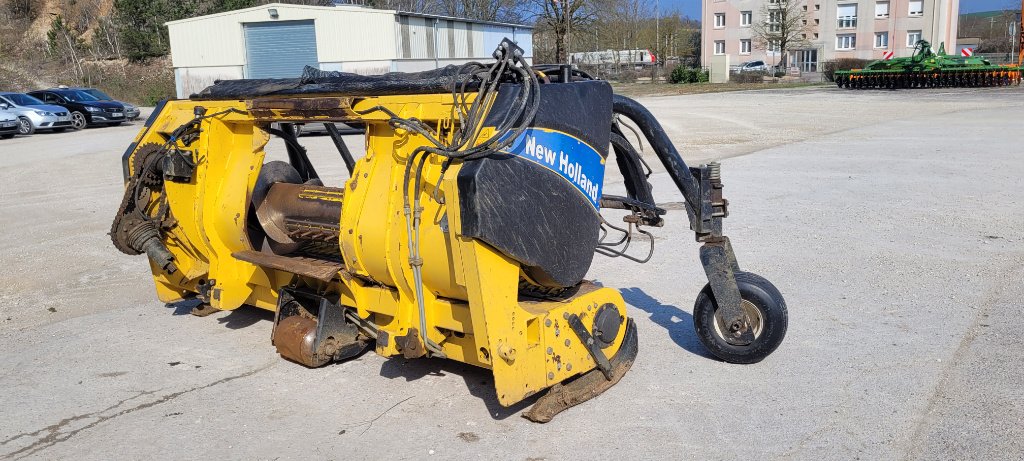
(454, 39)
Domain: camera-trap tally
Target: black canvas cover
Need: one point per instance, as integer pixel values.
(315, 81)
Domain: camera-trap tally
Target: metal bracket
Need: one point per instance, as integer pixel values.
(721, 267)
(595, 350)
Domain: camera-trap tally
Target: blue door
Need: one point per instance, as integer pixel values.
(279, 49)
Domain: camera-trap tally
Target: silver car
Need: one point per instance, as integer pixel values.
(8, 123)
(35, 115)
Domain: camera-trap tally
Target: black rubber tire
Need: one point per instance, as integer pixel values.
(25, 127)
(774, 316)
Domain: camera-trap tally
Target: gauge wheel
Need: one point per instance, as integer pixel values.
(25, 127)
(78, 121)
(764, 309)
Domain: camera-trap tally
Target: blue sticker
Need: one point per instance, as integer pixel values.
(573, 160)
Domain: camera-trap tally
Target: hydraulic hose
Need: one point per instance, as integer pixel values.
(662, 145)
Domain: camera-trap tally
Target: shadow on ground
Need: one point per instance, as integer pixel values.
(479, 381)
(242, 317)
(678, 322)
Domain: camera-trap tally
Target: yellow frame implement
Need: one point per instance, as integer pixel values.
(471, 297)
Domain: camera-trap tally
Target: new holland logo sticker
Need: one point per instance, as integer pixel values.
(573, 160)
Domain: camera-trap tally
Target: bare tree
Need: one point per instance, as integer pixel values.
(62, 44)
(484, 10)
(782, 24)
(564, 18)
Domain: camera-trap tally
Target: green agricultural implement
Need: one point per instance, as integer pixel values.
(926, 69)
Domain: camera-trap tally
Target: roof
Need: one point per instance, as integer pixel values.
(454, 18)
(342, 8)
(282, 6)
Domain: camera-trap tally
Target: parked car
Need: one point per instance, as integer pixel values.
(130, 111)
(34, 115)
(8, 123)
(85, 109)
(750, 66)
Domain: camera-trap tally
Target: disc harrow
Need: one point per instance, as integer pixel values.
(927, 69)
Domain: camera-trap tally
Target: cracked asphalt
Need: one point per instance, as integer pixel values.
(893, 222)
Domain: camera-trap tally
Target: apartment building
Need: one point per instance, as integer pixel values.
(863, 29)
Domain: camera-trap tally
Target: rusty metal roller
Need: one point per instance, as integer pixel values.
(293, 213)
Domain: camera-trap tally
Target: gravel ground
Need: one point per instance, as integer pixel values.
(891, 221)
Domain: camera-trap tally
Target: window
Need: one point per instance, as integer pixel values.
(916, 8)
(817, 7)
(846, 41)
(745, 46)
(773, 47)
(719, 20)
(913, 36)
(719, 47)
(847, 15)
(881, 39)
(746, 17)
(815, 35)
(881, 9)
(775, 21)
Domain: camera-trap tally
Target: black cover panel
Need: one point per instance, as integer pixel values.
(582, 109)
(529, 212)
(315, 81)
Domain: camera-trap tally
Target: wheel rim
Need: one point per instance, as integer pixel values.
(78, 120)
(24, 126)
(750, 312)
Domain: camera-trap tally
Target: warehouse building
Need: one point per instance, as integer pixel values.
(835, 29)
(278, 40)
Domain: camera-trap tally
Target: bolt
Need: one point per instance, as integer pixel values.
(551, 351)
(568, 367)
(565, 315)
(551, 375)
(547, 323)
(566, 342)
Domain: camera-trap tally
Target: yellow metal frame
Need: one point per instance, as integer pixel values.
(471, 291)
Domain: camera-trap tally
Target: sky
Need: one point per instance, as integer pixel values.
(691, 8)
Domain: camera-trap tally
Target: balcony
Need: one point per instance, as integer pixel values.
(847, 22)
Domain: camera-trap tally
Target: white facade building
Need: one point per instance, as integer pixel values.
(278, 40)
(862, 29)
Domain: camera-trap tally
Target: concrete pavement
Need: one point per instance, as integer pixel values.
(897, 238)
